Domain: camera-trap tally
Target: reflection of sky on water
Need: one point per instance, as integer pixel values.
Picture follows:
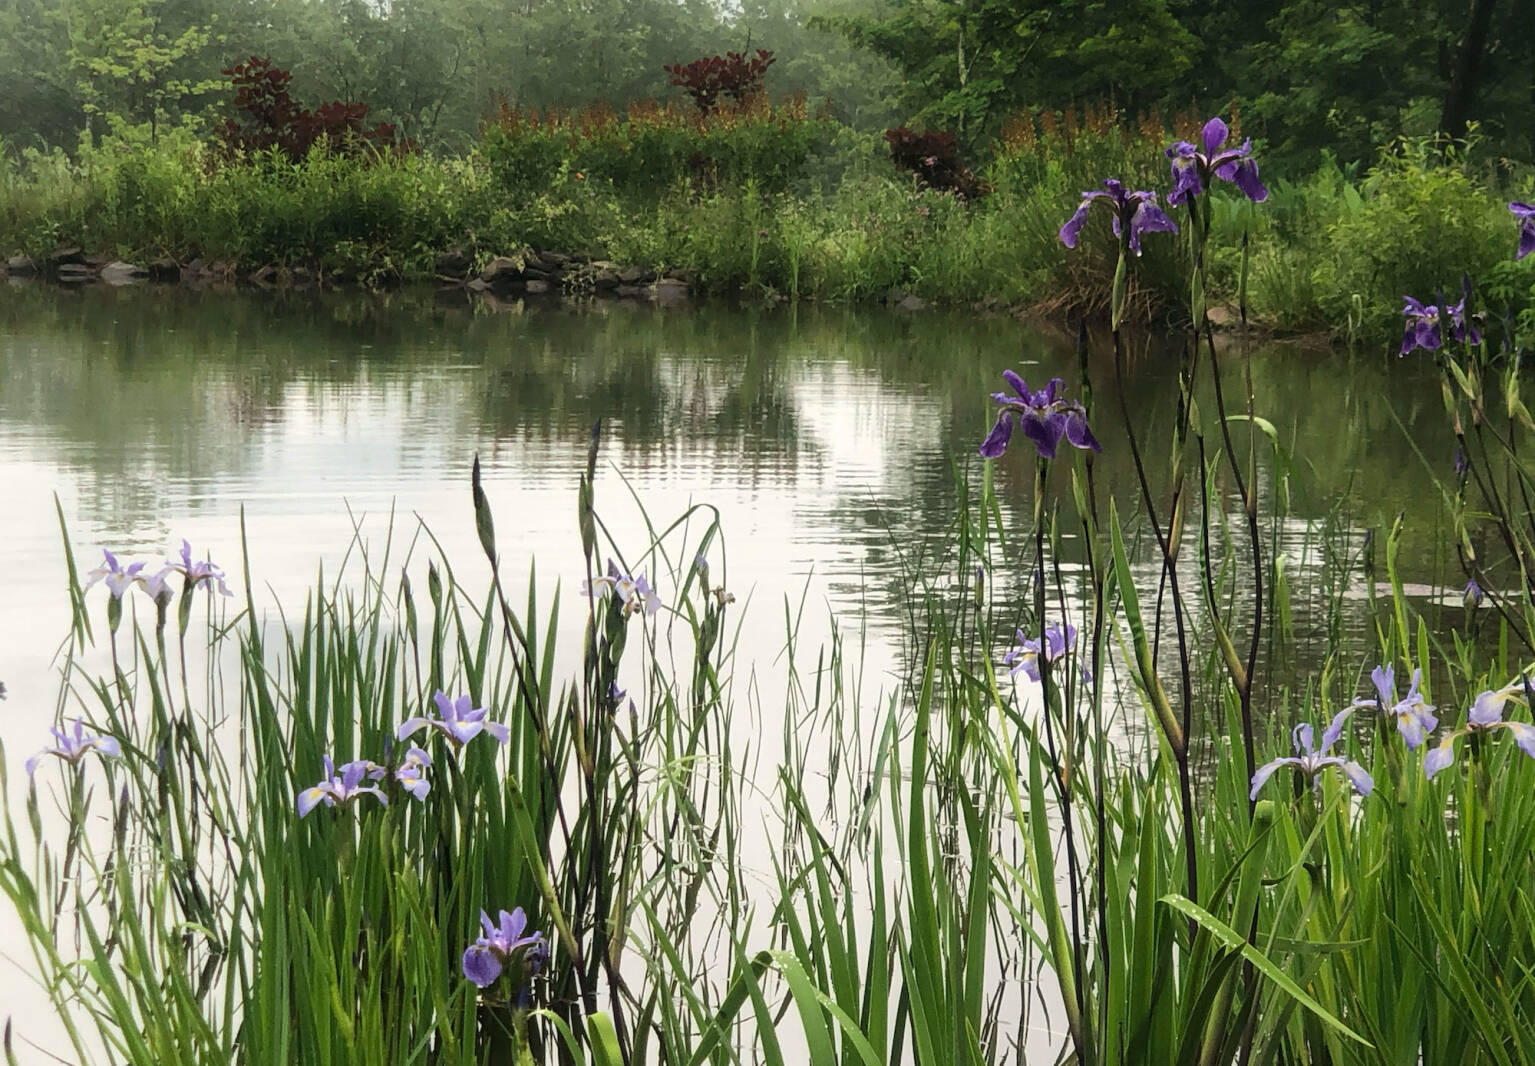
(828, 440)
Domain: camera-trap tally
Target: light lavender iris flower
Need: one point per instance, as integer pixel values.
(502, 943)
(460, 723)
(1193, 169)
(119, 579)
(199, 572)
(1044, 416)
(634, 593)
(1311, 761)
(1485, 715)
(411, 773)
(158, 586)
(339, 788)
(1525, 213)
(1414, 717)
(74, 745)
(1424, 329)
(1052, 648)
(1133, 212)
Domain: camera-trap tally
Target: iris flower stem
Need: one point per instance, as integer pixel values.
(1502, 524)
(1095, 573)
(588, 991)
(1180, 751)
(1051, 698)
(1255, 540)
(1199, 231)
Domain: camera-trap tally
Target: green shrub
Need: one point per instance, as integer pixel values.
(1426, 216)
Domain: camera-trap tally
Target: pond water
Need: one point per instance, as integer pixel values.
(828, 439)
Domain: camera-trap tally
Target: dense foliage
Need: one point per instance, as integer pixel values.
(1310, 77)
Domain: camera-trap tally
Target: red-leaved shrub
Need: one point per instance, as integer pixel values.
(273, 119)
(708, 79)
(934, 157)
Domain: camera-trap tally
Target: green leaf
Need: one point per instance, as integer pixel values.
(1236, 942)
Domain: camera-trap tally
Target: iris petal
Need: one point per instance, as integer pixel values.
(1442, 755)
(481, 965)
(1074, 225)
(996, 441)
(1214, 135)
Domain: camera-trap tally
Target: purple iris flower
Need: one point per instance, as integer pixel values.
(460, 723)
(1193, 169)
(1485, 715)
(1525, 213)
(339, 788)
(1044, 416)
(119, 579)
(1414, 717)
(1051, 648)
(1423, 325)
(411, 773)
(1135, 212)
(1311, 761)
(74, 745)
(1471, 598)
(634, 592)
(503, 943)
(199, 572)
(157, 585)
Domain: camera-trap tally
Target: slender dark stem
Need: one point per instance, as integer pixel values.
(1250, 506)
(1095, 573)
(1180, 752)
(1062, 785)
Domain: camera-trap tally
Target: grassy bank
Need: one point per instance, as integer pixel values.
(768, 201)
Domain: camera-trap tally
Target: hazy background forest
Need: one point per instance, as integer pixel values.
(1309, 76)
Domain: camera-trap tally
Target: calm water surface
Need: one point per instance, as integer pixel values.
(828, 439)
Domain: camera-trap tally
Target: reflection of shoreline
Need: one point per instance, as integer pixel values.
(854, 420)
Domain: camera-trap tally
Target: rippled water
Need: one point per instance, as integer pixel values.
(828, 439)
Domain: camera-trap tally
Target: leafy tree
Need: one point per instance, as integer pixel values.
(969, 62)
(130, 63)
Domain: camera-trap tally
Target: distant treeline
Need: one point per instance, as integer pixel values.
(1308, 76)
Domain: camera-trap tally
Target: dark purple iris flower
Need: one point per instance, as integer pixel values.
(1193, 170)
(1525, 213)
(1472, 597)
(1044, 416)
(1423, 326)
(1136, 212)
(505, 941)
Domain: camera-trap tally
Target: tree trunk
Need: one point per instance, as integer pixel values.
(1465, 78)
